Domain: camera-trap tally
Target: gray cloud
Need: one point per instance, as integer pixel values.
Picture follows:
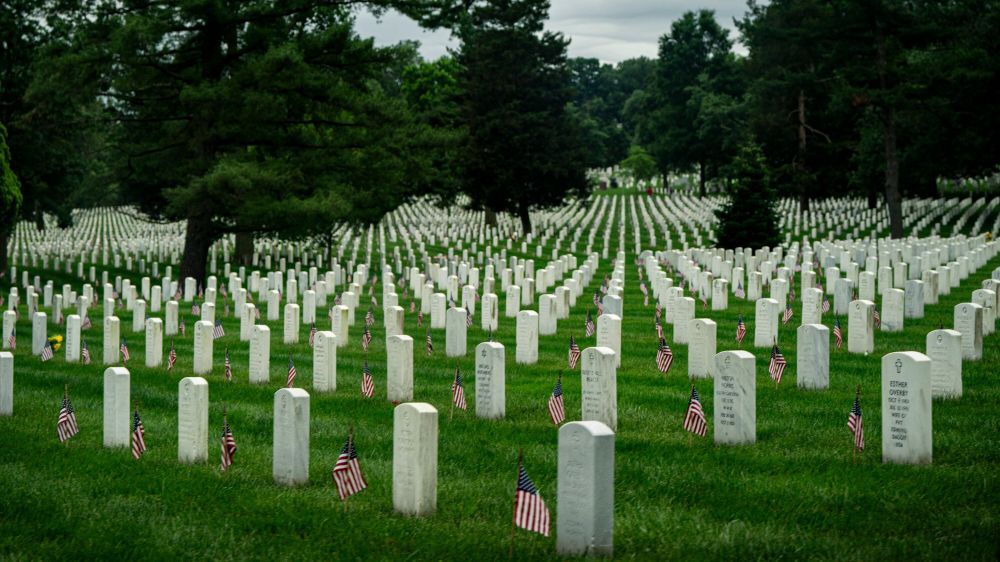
(609, 30)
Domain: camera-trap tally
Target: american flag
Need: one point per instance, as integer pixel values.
(291, 373)
(201, 292)
(826, 306)
(597, 299)
(66, 426)
(171, 357)
(787, 315)
(777, 365)
(195, 310)
(529, 510)
(420, 318)
(837, 335)
(855, 424)
(374, 301)
(574, 353)
(468, 318)
(659, 309)
(228, 444)
(367, 382)
(337, 300)
(370, 318)
(739, 292)
(642, 288)
(123, 348)
(791, 295)
(182, 328)
(589, 327)
(256, 313)
(877, 317)
(413, 307)
(658, 326)
(218, 331)
(458, 391)
(228, 371)
(85, 353)
(347, 472)
(12, 340)
(366, 338)
(312, 334)
(704, 301)
(87, 324)
(429, 347)
(557, 410)
(138, 436)
(664, 357)
(694, 420)
(47, 352)
(741, 330)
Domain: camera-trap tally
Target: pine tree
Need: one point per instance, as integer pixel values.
(749, 219)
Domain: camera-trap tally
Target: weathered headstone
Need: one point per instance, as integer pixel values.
(683, 314)
(399, 368)
(812, 356)
(203, 343)
(39, 333)
(340, 324)
(599, 387)
(260, 354)
(154, 342)
(892, 310)
(609, 334)
(907, 428)
(527, 337)
(6, 383)
(913, 300)
(292, 316)
(490, 380)
(969, 322)
(325, 361)
(290, 464)
(861, 327)
(586, 490)
(112, 340)
(117, 418)
(944, 347)
(735, 398)
(701, 347)
(455, 333)
(72, 338)
(765, 328)
(414, 459)
(192, 420)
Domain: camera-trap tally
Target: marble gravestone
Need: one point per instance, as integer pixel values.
(260, 354)
(399, 368)
(969, 322)
(112, 340)
(609, 334)
(154, 342)
(203, 343)
(861, 327)
(701, 347)
(907, 427)
(290, 462)
(735, 418)
(6, 383)
(585, 490)
(599, 388)
(812, 356)
(340, 324)
(292, 316)
(526, 352)
(944, 347)
(683, 314)
(325, 362)
(455, 333)
(490, 381)
(892, 310)
(117, 416)
(414, 459)
(913, 299)
(192, 420)
(73, 338)
(765, 329)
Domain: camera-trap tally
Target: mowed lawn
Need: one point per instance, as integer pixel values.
(798, 493)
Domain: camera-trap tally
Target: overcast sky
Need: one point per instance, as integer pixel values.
(609, 30)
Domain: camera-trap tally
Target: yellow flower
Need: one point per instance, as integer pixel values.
(56, 342)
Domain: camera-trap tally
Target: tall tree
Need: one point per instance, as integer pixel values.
(246, 116)
(749, 218)
(695, 54)
(10, 199)
(524, 151)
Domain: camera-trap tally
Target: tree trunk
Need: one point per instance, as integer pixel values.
(244, 248)
(872, 195)
(701, 180)
(893, 199)
(491, 217)
(522, 212)
(198, 239)
(800, 157)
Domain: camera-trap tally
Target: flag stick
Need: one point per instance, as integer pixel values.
(350, 444)
(513, 523)
(451, 413)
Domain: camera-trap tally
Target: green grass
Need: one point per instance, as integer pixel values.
(796, 494)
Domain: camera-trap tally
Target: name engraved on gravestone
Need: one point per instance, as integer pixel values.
(906, 408)
(490, 381)
(735, 398)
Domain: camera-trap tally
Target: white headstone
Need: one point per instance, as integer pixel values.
(399, 368)
(455, 333)
(812, 356)
(599, 387)
(291, 333)
(944, 347)
(414, 459)
(117, 418)
(6, 383)
(203, 344)
(490, 380)
(701, 347)
(765, 328)
(907, 428)
(735, 398)
(154, 342)
(72, 338)
(969, 322)
(192, 420)
(260, 354)
(586, 490)
(325, 362)
(527, 337)
(861, 327)
(290, 464)
(609, 334)
(112, 340)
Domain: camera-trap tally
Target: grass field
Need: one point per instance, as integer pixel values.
(796, 494)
